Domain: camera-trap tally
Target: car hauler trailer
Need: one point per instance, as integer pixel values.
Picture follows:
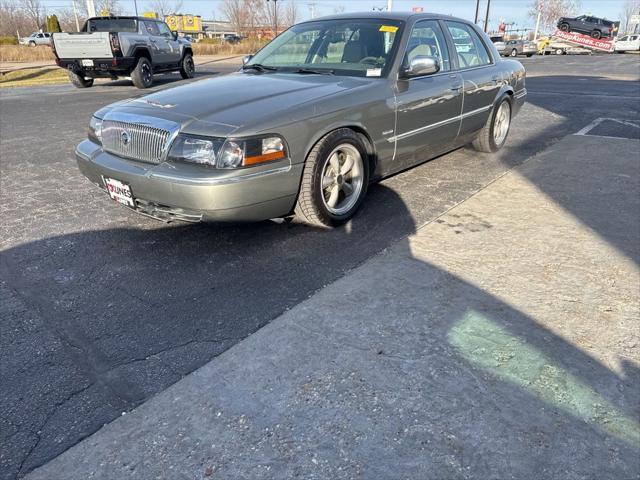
(562, 43)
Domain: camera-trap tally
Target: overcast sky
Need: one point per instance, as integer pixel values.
(508, 10)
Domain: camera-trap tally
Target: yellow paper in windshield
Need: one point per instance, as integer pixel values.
(388, 28)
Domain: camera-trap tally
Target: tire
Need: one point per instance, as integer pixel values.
(79, 81)
(487, 141)
(316, 205)
(559, 51)
(187, 67)
(597, 34)
(32, 43)
(514, 53)
(142, 74)
(529, 55)
(565, 27)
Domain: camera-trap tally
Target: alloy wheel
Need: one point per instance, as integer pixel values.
(342, 179)
(501, 123)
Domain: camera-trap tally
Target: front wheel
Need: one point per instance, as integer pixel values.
(564, 27)
(596, 34)
(559, 51)
(142, 75)
(32, 43)
(494, 134)
(334, 180)
(80, 81)
(514, 53)
(187, 67)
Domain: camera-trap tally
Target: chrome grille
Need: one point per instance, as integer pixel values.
(135, 141)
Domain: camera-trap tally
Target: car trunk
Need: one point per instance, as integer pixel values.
(82, 45)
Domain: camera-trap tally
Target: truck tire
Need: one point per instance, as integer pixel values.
(334, 180)
(597, 34)
(559, 51)
(142, 75)
(494, 133)
(565, 27)
(187, 67)
(79, 81)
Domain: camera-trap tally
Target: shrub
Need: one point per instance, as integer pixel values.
(8, 41)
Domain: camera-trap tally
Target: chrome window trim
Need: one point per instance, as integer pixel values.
(411, 133)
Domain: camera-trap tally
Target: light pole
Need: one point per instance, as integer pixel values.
(486, 18)
(275, 16)
(477, 11)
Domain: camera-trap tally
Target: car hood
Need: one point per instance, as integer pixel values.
(237, 100)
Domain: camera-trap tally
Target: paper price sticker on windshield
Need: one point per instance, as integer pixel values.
(388, 28)
(374, 72)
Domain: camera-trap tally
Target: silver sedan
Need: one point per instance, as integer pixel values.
(313, 118)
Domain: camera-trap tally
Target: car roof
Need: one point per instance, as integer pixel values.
(401, 16)
(124, 17)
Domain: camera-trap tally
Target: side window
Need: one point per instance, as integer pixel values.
(40, 35)
(428, 40)
(163, 29)
(151, 28)
(470, 50)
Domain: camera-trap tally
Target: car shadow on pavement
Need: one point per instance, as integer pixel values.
(121, 314)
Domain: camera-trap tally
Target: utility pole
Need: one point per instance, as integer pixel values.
(486, 18)
(135, 4)
(389, 5)
(540, 7)
(75, 15)
(477, 11)
(275, 17)
(91, 8)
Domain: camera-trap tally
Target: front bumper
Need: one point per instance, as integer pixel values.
(172, 191)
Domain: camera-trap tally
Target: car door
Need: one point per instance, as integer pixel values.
(480, 77)
(427, 107)
(173, 46)
(159, 47)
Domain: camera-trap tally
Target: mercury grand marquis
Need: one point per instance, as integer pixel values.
(310, 120)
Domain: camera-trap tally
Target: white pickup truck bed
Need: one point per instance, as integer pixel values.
(82, 45)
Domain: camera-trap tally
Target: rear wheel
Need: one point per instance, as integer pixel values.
(514, 53)
(494, 134)
(335, 179)
(80, 81)
(142, 75)
(187, 67)
(597, 34)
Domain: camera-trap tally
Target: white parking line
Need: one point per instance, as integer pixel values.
(585, 131)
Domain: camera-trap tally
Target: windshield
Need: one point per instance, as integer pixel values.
(112, 25)
(355, 47)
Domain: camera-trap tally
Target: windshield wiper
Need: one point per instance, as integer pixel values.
(259, 67)
(311, 70)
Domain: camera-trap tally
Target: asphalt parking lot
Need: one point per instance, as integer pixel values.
(103, 308)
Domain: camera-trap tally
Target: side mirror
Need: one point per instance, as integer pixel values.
(246, 59)
(422, 65)
(174, 35)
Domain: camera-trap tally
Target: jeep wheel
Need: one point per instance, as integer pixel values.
(187, 67)
(142, 75)
(494, 134)
(334, 180)
(80, 81)
(597, 34)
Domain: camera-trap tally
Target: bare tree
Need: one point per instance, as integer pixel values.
(552, 10)
(14, 19)
(286, 12)
(166, 7)
(237, 13)
(33, 11)
(630, 7)
(339, 9)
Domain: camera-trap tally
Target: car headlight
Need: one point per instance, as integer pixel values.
(95, 130)
(230, 153)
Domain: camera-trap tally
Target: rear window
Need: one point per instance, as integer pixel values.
(112, 25)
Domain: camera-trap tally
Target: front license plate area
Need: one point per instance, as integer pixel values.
(119, 191)
(87, 63)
